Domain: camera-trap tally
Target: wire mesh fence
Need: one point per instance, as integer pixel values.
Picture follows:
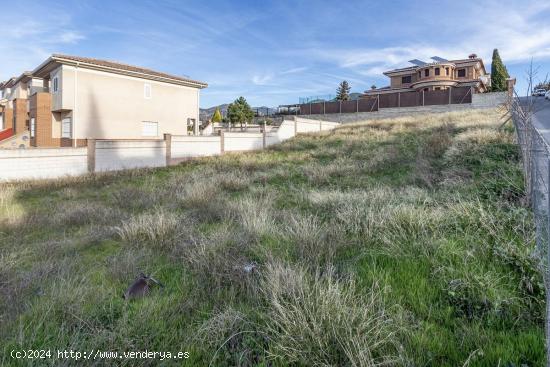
(535, 152)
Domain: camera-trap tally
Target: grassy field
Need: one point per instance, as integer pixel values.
(390, 242)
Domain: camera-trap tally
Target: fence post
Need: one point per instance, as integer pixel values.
(547, 275)
(264, 137)
(357, 105)
(222, 142)
(450, 91)
(310, 108)
(91, 155)
(422, 97)
(320, 125)
(168, 145)
(378, 102)
(398, 99)
(324, 108)
(340, 108)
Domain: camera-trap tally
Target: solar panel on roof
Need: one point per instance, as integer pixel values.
(438, 59)
(417, 62)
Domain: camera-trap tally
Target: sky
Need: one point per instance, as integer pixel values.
(274, 52)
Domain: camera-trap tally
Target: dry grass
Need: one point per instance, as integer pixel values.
(389, 242)
(324, 313)
(158, 229)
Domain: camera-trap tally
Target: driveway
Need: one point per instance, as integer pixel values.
(541, 117)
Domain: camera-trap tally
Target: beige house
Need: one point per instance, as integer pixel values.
(70, 99)
(440, 74)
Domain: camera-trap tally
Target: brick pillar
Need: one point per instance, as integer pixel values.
(20, 115)
(40, 110)
(510, 83)
(8, 118)
(91, 155)
(264, 137)
(168, 144)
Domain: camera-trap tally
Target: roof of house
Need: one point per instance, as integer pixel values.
(8, 83)
(118, 67)
(26, 74)
(458, 61)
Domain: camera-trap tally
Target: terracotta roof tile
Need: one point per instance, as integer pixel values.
(125, 67)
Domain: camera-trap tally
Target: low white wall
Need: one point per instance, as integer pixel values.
(33, 163)
(112, 155)
(237, 142)
(195, 146)
(308, 125)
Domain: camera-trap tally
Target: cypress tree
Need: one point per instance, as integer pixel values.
(499, 74)
(342, 93)
(217, 116)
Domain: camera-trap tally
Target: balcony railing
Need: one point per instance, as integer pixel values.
(35, 89)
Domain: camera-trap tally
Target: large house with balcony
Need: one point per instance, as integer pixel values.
(67, 100)
(440, 74)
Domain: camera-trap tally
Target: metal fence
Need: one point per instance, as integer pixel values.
(454, 95)
(535, 152)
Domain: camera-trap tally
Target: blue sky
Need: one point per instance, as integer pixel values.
(273, 52)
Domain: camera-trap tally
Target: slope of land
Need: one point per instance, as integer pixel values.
(401, 241)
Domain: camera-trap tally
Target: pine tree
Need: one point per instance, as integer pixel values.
(217, 116)
(342, 93)
(499, 74)
(240, 111)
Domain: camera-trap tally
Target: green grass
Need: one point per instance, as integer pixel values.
(396, 242)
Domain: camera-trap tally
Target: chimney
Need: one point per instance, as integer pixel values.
(472, 56)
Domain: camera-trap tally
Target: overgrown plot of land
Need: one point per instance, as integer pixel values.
(403, 242)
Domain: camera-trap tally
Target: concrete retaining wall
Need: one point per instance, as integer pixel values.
(20, 164)
(113, 155)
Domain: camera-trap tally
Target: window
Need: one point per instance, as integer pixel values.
(461, 73)
(437, 88)
(67, 128)
(147, 91)
(437, 72)
(419, 74)
(406, 79)
(149, 128)
(427, 72)
(33, 126)
(446, 71)
(55, 84)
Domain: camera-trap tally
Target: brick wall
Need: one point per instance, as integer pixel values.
(20, 115)
(40, 110)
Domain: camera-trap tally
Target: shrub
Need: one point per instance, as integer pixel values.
(323, 321)
(158, 229)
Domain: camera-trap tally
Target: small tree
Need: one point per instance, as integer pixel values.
(499, 74)
(342, 93)
(240, 111)
(373, 87)
(217, 116)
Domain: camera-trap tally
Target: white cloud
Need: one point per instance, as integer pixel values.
(293, 70)
(518, 33)
(28, 41)
(262, 79)
(69, 37)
